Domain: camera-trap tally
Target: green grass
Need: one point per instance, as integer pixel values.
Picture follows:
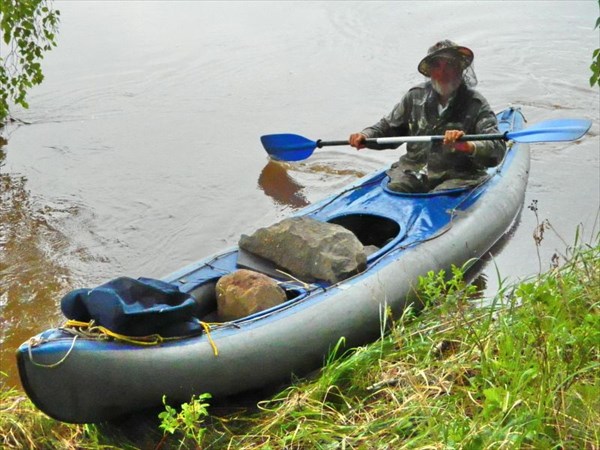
(521, 372)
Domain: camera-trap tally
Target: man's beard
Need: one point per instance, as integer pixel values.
(446, 89)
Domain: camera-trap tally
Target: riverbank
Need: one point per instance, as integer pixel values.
(521, 372)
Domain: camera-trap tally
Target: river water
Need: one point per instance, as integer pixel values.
(140, 152)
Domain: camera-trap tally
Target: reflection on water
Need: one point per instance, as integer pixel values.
(30, 278)
(275, 181)
(278, 182)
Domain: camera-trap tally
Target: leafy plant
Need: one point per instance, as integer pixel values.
(436, 287)
(28, 30)
(188, 422)
(595, 67)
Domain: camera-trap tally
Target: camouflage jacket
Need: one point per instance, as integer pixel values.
(417, 114)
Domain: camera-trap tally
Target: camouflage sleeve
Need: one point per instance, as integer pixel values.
(487, 153)
(394, 124)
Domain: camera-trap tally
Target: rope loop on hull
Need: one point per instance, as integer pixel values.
(89, 330)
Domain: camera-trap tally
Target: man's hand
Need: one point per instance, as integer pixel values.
(451, 140)
(357, 140)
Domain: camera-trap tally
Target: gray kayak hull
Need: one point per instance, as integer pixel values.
(76, 379)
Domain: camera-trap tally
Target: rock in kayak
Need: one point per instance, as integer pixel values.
(309, 249)
(245, 292)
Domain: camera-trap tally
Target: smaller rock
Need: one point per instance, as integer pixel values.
(245, 292)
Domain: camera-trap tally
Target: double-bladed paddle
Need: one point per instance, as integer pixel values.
(292, 147)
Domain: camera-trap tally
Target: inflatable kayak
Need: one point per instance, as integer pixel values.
(82, 376)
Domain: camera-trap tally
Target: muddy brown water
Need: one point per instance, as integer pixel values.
(140, 152)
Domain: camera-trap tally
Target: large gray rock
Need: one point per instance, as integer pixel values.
(245, 292)
(309, 249)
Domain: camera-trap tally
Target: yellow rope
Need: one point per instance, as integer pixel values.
(98, 330)
(206, 327)
(88, 329)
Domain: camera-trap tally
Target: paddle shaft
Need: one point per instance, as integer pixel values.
(292, 147)
(401, 139)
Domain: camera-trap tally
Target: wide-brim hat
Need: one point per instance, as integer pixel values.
(446, 49)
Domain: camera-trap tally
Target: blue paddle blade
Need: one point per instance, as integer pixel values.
(552, 131)
(288, 147)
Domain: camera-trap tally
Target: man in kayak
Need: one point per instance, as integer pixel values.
(444, 105)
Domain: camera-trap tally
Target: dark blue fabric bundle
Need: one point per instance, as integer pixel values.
(134, 307)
